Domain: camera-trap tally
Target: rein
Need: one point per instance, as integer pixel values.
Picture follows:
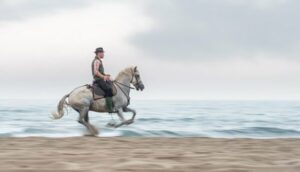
(123, 84)
(127, 96)
(117, 83)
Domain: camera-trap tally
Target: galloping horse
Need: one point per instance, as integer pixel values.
(81, 100)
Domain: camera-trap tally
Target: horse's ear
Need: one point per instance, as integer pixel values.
(135, 67)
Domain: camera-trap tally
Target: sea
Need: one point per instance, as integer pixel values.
(158, 118)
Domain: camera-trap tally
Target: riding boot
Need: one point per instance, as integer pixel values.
(109, 104)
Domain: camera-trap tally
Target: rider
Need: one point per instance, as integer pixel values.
(101, 79)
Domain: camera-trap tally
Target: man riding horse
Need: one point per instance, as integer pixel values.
(101, 79)
(81, 99)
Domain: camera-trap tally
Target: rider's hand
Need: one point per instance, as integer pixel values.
(106, 77)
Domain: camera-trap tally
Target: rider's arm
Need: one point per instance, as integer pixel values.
(96, 69)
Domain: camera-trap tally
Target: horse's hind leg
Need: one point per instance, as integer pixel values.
(82, 119)
(86, 117)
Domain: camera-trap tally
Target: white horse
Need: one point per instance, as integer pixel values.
(81, 100)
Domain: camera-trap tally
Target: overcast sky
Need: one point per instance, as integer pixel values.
(196, 49)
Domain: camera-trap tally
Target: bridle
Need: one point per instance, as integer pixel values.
(118, 84)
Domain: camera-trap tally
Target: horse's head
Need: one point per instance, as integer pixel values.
(136, 79)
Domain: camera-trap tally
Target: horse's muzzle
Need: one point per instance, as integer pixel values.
(140, 86)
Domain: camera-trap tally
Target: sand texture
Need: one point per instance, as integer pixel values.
(149, 154)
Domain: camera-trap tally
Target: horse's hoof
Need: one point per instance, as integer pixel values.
(129, 122)
(111, 125)
(96, 132)
(93, 131)
(89, 135)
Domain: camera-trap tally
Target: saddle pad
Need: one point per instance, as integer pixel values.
(98, 93)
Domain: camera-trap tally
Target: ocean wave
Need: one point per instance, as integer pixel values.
(130, 133)
(263, 131)
(17, 110)
(6, 134)
(162, 119)
(164, 133)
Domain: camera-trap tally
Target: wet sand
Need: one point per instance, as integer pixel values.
(149, 154)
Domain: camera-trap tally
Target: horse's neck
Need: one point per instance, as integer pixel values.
(125, 80)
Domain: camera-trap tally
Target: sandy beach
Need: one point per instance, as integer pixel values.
(149, 154)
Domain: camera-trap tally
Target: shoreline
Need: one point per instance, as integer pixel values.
(149, 154)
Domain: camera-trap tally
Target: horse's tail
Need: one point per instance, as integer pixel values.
(60, 108)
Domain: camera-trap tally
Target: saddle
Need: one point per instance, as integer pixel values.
(98, 93)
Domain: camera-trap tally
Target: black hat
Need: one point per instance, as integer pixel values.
(99, 49)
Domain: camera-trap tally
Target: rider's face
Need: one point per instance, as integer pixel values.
(100, 55)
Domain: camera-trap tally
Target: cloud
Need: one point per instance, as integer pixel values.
(51, 53)
(23, 9)
(221, 29)
(48, 51)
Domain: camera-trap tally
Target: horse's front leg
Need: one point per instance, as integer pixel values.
(121, 117)
(127, 109)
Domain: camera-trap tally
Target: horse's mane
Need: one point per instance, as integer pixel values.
(126, 71)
